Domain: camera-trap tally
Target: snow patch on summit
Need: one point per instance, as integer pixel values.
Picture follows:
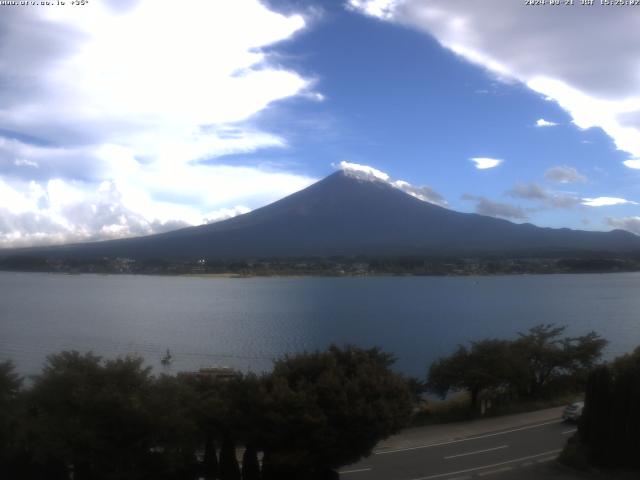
(363, 172)
(371, 174)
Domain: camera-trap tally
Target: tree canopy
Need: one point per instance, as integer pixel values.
(531, 366)
(487, 364)
(91, 415)
(331, 408)
(545, 355)
(112, 419)
(10, 385)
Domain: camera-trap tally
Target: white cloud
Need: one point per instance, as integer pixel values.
(78, 211)
(314, 96)
(145, 98)
(631, 224)
(599, 86)
(365, 172)
(424, 193)
(483, 163)
(541, 122)
(534, 192)
(21, 162)
(63, 211)
(634, 163)
(375, 8)
(564, 174)
(606, 201)
(225, 213)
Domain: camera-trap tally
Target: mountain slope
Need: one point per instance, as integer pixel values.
(344, 216)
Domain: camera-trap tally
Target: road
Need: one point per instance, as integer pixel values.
(467, 450)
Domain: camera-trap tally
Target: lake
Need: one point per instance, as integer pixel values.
(247, 322)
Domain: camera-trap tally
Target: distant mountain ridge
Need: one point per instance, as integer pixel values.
(343, 215)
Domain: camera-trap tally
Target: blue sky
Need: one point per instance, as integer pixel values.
(134, 117)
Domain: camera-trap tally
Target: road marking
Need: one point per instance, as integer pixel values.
(477, 451)
(493, 472)
(567, 432)
(344, 472)
(396, 450)
(547, 459)
(440, 475)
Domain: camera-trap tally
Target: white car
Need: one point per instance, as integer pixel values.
(573, 412)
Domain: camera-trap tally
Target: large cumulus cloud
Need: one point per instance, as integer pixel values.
(142, 97)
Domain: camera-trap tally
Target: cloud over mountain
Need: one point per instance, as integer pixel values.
(365, 172)
(144, 95)
(485, 206)
(631, 224)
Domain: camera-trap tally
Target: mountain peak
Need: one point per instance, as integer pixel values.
(352, 212)
(363, 172)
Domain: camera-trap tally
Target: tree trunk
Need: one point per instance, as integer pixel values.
(229, 468)
(475, 391)
(250, 465)
(267, 472)
(210, 463)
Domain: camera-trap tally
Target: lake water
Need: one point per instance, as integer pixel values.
(245, 323)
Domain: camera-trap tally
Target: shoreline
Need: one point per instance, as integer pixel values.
(232, 275)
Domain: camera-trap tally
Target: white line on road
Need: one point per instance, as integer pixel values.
(465, 439)
(440, 475)
(344, 472)
(477, 451)
(567, 432)
(493, 472)
(547, 459)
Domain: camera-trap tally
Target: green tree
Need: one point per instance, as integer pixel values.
(610, 424)
(595, 423)
(328, 409)
(485, 365)
(530, 365)
(210, 462)
(93, 416)
(250, 464)
(229, 468)
(225, 413)
(172, 404)
(10, 387)
(543, 356)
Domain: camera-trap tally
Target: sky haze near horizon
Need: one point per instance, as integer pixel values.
(131, 117)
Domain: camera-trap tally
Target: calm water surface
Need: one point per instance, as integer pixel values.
(245, 323)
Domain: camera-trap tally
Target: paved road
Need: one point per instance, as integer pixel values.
(464, 451)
